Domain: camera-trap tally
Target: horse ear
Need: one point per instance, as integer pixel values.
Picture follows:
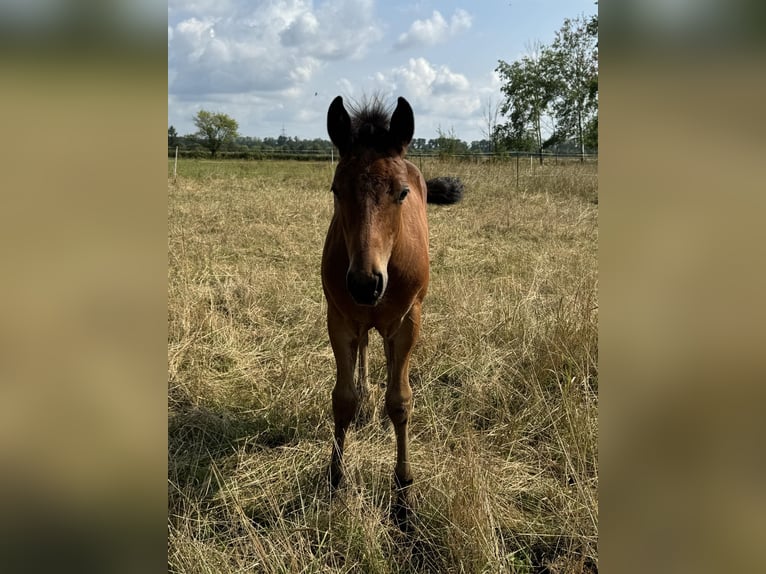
(402, 125)
(339, 125)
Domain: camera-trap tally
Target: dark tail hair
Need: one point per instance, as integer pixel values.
(444, 190)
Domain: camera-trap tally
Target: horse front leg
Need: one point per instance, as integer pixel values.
(345, 398)
(399, 404)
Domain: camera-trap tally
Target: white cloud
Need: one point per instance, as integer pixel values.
(276, 64)
(425, 81)
(441, 97)
(302, 29)
(461, 20)
(434, 30)
(347, 29)
(262, 46)
(217, 7)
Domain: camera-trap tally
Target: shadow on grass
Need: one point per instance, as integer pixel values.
(202, 440)
(217, 431)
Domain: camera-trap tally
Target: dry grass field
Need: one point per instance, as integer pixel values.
(505, 379)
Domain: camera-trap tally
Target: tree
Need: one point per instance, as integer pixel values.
(529, 91)
(591, 134)
(172, 137)
(575, 54)
(513, 139)
(448, 144)
(215, 130)
(490, 112)
(556, 83)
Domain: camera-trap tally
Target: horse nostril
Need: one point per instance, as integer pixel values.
(378, 284)
(365, 288)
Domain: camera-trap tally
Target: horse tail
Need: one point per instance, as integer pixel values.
(444, 190)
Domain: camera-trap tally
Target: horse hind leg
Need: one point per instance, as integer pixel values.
(365, 406)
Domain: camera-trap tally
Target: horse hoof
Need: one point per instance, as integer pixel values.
(336, 477)
(403, 515)
(402, 510)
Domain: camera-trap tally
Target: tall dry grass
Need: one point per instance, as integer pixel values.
(504, 431)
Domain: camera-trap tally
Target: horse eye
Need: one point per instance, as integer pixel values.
(403, 194)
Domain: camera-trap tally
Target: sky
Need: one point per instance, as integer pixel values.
(275, 65)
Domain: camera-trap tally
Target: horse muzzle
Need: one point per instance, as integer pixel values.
(366, 288)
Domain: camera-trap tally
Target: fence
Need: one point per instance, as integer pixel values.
(331, 155)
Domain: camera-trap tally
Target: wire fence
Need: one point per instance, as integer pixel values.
(332, 155)
(515, 164)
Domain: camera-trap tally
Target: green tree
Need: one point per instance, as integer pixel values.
(508, 138)
(215, 130)
(556, 84)
(575, 66)
(448, 144)
(591, 134)
(172, 137)
(529, 91)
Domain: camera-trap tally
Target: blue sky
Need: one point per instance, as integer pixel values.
(276, 65)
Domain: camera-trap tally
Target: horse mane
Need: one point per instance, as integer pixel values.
(370, 121)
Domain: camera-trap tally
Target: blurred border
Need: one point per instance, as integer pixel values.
(83, 433)
(683, 192)
(83, 439)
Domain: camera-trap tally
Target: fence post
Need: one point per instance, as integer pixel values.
(175, 166)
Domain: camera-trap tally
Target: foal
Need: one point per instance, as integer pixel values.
(375, 266)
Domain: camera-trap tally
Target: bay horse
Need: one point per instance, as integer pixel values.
(375, 265)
